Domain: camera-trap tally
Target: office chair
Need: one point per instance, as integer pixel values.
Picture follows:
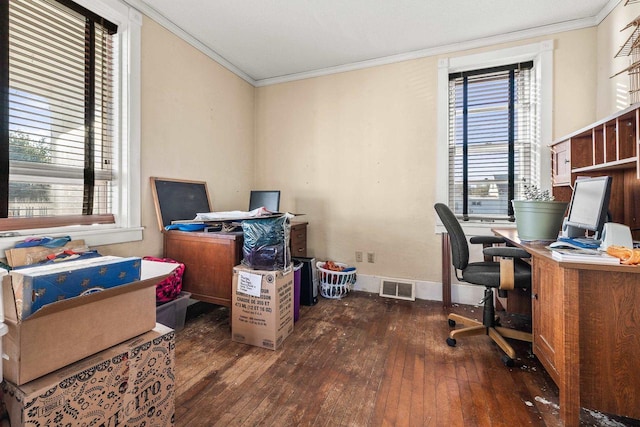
(509, 273)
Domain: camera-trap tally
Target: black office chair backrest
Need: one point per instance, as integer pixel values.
(459, 245)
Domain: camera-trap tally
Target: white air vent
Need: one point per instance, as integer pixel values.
(398, 290)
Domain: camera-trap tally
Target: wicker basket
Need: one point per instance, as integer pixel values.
(335, 284)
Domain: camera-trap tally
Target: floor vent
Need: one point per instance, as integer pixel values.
(398, 290)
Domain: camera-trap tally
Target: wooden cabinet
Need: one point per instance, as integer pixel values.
(561, 163)
(298, 239)
(607, 147)
(546, 309)
(209, 259)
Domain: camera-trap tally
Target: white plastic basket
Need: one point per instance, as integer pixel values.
(335, 284)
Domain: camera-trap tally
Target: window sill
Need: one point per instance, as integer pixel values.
(478, 228)
(94, 235)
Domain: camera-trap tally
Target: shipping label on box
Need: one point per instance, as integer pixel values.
(35, 287)
(129, 384)
(264, 320)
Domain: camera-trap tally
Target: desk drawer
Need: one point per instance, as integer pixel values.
(298, 240)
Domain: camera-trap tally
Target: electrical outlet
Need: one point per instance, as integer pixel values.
(371, 257)
(358, 256)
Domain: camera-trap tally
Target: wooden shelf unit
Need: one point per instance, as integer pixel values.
(609, 144)
(607, 147)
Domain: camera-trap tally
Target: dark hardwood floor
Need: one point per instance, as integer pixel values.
(361, 361)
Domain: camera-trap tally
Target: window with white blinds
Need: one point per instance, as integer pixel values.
(57, 112)
(493, 134)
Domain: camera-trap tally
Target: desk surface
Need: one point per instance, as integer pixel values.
(540, 249)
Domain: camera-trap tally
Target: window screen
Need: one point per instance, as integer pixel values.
(493, 136)
(56, 146)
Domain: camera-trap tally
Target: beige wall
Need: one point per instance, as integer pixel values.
(356, 152)
(574, 81)
(612, 92)
(352, 152)
(197, 124)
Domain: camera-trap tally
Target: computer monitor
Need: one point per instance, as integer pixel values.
(270, 199)
(589, 204)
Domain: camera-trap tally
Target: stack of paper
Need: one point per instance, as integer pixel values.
(591, 256)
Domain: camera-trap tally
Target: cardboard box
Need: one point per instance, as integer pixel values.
(265, 320)
(69, 330)
(129, 384)
(37, 286)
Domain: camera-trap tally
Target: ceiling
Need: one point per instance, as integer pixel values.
(279, 40)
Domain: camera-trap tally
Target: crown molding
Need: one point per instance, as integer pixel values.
(184, 35)
(439, 50)
(606, 10)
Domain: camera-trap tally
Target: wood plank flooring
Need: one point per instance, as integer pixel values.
(362, 361)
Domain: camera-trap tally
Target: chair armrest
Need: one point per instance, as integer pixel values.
(486, 240)
(506, 251)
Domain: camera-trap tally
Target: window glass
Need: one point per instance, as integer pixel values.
(491, 140)
(60, 124)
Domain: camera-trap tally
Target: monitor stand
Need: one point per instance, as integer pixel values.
(570, 231)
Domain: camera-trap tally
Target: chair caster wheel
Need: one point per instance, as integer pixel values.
(508, 362)
(452, 323)
(451, 342)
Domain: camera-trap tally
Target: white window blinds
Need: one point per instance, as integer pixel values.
(493, 134)
(58, 127)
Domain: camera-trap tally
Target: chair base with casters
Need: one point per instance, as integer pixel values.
(489, 326)
(509, 272)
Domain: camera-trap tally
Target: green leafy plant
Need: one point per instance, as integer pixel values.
(532, 192)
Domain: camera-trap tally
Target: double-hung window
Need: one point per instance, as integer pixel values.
(495, 114)
(492, 135)
(58, 124)
(68, 99)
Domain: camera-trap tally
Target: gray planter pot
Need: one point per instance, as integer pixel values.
(538, 220)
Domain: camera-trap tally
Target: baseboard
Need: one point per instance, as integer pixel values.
(432, 291)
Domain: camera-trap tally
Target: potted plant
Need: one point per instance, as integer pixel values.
(539, 216)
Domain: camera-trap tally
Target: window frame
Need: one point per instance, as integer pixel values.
(509, 92)
(126, 195)
(542, 55)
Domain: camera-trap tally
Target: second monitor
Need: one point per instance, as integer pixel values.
(270, 199)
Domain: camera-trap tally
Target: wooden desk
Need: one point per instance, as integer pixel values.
(586, 331)
(209, 259)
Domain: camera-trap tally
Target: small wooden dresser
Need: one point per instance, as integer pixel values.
(298, 239)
